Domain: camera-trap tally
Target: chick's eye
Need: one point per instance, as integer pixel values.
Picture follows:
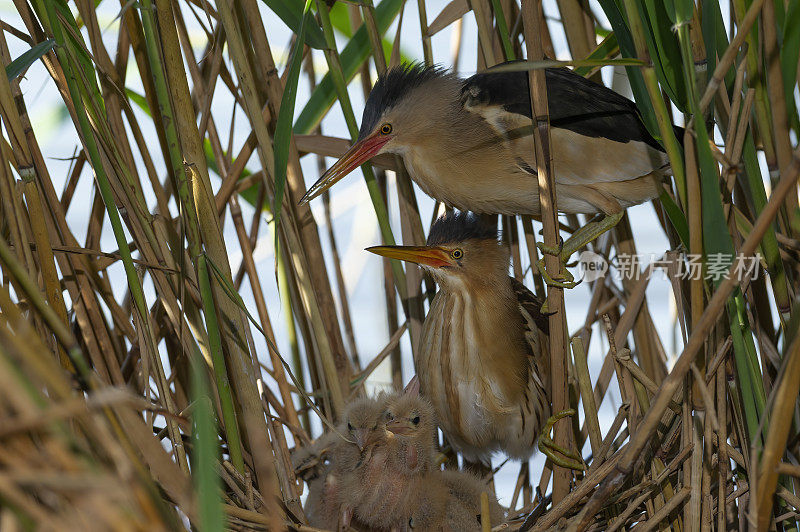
(415, 421)
(386, 129)
(457, 253)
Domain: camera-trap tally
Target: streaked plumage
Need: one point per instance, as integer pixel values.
(480, 361)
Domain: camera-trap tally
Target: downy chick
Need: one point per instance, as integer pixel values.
(410, 418)
(362, 424)
(389, 491)
(358, 462)
(429, 508)
(312, 464)
(464, 501)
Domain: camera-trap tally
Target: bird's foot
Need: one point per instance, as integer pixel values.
(564, 278)
(550, 250)
(579, 239)
(558, 455)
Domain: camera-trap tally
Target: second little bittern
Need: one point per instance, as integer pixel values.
(469, 144)
(480, 361)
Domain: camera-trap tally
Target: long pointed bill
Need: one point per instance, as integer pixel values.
(358, 154)
(427, 256)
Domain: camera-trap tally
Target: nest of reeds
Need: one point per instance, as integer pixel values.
(173, 324)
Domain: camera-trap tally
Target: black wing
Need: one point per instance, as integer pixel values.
(575, 103)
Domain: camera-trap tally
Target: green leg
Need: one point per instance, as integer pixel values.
(579, 238)
(558, 455)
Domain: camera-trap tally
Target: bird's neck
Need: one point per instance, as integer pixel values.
(456, 160)
(485, 309)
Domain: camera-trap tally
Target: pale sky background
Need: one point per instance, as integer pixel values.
(354, 219)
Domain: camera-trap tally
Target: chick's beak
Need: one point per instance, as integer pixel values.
(362, 438)
(397, 426)
(434, 257)
(358, 154)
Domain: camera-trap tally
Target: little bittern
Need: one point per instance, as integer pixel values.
(410, 419)
(480, 361)
(468, 143)
(464, 505)
(383, 475)
(331, 463)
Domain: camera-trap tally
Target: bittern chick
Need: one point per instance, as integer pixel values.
(312, 464)
(394, 488)
(604, 159)
(337, 457)
(438, 500)
(411, 420)
(464, 501)
(479, 360)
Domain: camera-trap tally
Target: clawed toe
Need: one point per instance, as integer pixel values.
(567, 281)
(547, 250)
(558, 455)
(579, 238)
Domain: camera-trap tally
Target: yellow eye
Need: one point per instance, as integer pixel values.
(386, 129)
(456, 253)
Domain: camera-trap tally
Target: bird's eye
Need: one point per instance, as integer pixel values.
(386, 129)
(457, 253)
(349, 427)
(415, 421)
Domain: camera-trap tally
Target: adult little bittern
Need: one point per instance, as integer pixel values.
(480, 361)
(468, 143)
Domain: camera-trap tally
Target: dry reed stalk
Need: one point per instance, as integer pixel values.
(343, 298)
(707, 320)
(645, 340)
(786, 392)
(547, 195)
(120, 338)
